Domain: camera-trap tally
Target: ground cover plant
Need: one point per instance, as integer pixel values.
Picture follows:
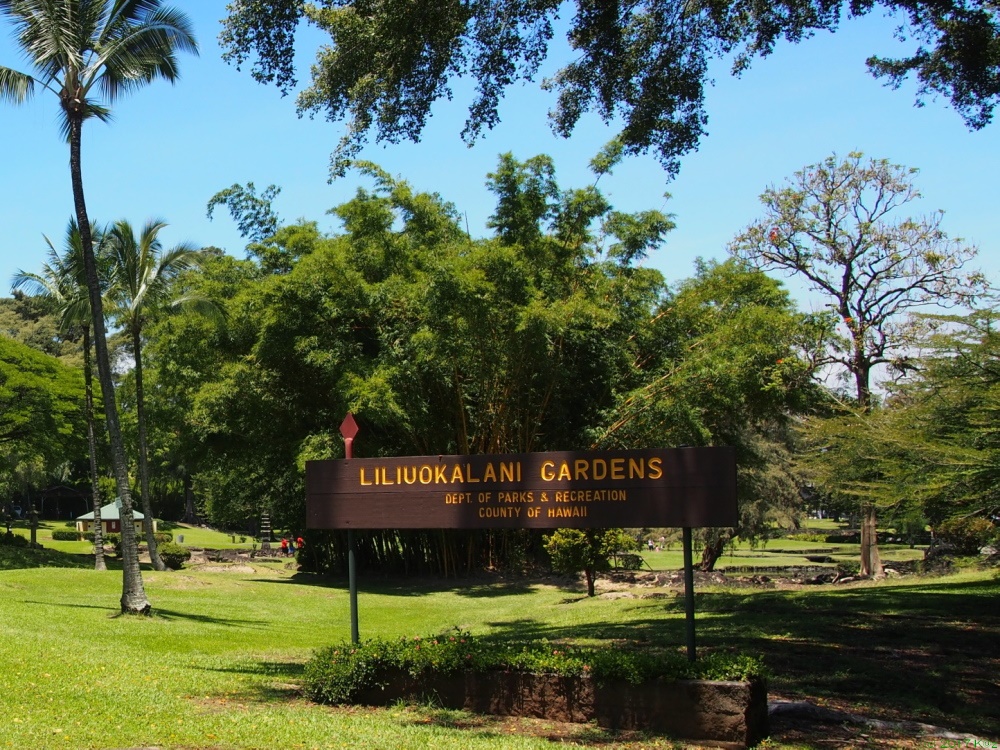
(220, 664)
(342, 672)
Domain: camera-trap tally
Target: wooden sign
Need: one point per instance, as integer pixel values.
(682, 487)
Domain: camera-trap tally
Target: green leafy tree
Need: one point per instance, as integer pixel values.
(62, 282)
(436, 342)
(142, 276)
(40, 415)
(835, 225)
(645, 65)
(932, 451)
(81, 50)
(728, 361)
(32, 321)
(253, 214)
(588, 550)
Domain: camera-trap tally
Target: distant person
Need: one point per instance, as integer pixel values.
(301, 544)
(291, 547)
(284, 547)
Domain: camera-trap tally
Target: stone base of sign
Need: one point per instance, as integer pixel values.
(718, 713)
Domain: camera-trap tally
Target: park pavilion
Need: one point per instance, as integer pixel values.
(110, 520)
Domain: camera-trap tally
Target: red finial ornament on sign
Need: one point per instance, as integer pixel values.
(348, 429)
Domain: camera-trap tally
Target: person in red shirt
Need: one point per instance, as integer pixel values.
(284, 547)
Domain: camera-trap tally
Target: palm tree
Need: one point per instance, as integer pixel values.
(142, 280)
(63, 282)
(80, 50)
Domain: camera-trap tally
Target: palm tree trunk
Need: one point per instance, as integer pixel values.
(133, 599)
(88, 389)
(140, 414)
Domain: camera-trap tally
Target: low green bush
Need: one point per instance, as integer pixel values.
(807, 537)
(173, 555)
(65, 535)
(967, 535)
(162, 537)
(337, 674)
(851, 537)
(848, 568)
(115, 540)
(10, 539)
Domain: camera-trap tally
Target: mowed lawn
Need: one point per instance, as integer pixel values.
(219, 663)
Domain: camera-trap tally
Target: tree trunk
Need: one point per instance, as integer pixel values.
(712, 552)
(190, 516)
(140, 415)
(591, 575)
(133, 599)
(88, 405)
(871, 562)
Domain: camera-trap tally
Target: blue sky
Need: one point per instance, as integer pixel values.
(171, 148)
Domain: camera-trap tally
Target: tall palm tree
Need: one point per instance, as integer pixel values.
(81, 50)
(63, 281)
(142, 274)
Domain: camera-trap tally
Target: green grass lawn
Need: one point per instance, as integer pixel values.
(194, 536)
(778, 552)
(218, 663)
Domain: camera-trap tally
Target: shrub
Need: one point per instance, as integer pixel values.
(808, 537)
(338, 674)
(162, 537)
(115, 540)
(589, 550)
(851, 537)
(10, 539)
(65, 535)
(967, 535)
(174, 556)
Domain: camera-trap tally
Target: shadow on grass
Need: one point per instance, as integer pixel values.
(927, 651)
(232, 622)
(22, 558)
(409, 587)
(283, 681)
(498, 728)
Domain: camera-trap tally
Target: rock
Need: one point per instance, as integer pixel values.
(988, 551)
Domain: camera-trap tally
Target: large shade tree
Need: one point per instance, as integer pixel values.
(835, 224)
(40, 415)
(88, 53)
(62, 282)
(645, 65)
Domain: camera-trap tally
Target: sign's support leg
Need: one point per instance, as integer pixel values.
(352, 580)
(689, 594)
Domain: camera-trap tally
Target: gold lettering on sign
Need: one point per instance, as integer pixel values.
(510, 471)
(500, 512)
(574, 512)
(598, 469)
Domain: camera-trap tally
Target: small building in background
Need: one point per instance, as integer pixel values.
(110, 521)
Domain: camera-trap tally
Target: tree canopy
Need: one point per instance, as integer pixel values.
(644, 64)
(41, 409)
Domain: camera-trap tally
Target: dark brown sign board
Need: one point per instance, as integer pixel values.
(675, 487)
